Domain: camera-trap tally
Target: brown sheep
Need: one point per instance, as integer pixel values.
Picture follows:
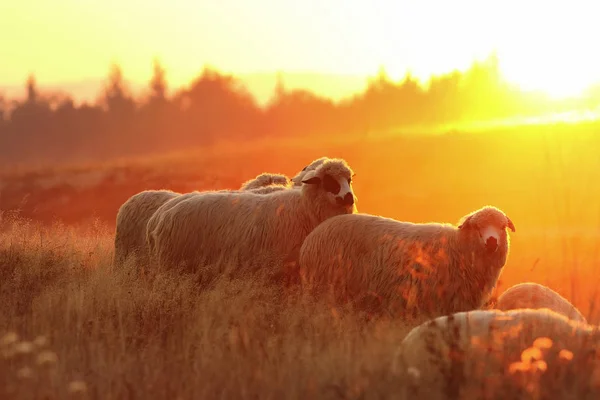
(415, 271)
(242, 227)
(134, 215)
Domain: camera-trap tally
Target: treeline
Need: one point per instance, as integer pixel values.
(48, 127)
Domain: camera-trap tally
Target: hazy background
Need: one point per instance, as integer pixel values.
(440, 108)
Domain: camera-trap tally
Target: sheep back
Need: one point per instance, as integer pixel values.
(533, 295)
(266, 179)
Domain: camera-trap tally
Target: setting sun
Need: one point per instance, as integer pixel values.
(548, 46)
(541, 45)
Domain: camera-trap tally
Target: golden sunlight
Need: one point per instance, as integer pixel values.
(548, 47)
(542, 46)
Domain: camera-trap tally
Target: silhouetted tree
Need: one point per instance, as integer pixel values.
(279, 91)
(116, 97)
(215, 106)
(32, 94)
(158, 119)
(379, 103)
(298, 112)
(3, 110)
(445, 94)
(158, 84)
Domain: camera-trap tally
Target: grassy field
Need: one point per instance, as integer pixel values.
(160, 337)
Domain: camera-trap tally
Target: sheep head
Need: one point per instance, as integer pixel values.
(333, 179)
(490, 223)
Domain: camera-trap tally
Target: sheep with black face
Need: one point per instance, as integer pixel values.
(244, 228)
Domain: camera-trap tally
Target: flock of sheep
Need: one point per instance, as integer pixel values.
(436, 277)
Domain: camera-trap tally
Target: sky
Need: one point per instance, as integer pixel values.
(545, 45)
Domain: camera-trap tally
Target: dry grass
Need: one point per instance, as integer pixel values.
(76, 328)
(160, 337)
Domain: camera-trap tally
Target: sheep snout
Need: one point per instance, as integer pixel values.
(491, 244)
(347, 200)
(491, 237)
(343, 194)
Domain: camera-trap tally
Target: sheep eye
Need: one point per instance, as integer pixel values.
(331, 185)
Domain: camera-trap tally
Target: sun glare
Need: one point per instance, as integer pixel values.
(548, 47)
(558, 72)
(541, 46)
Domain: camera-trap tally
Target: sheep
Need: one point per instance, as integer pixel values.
(155, 218)
(266, 179)
(134, 214)
(534, 295)
(137, 237)
(131, 223)
(498, 352)
(296, 181)
(412, 271)
(255, 230)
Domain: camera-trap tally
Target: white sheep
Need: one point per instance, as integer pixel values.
(416, 271)
(494, 354)
(134, 214)
(534, 295)
(156, 217)
(232, 228)
(266, 179)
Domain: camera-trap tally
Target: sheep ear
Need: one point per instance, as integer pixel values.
(511, 225)
(311, 179)
(315, 180)
(466, 223)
